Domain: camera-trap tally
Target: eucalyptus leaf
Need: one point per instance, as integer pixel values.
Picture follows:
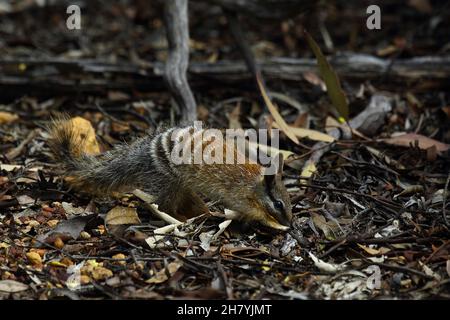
(330, 78)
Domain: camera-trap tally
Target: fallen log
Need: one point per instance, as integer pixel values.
(349, 65)
(266, 9)
(59, 76)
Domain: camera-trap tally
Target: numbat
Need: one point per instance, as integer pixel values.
(258, 198)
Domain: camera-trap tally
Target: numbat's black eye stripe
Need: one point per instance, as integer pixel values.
(274, 200)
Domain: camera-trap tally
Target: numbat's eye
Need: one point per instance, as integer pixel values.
(278, 205)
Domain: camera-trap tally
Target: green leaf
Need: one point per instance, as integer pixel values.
(330, 78)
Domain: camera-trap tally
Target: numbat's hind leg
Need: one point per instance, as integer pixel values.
(182, 204)
(191, 205)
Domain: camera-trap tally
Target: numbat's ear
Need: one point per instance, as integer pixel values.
(269, 178)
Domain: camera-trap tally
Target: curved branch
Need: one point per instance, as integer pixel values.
(177, 28)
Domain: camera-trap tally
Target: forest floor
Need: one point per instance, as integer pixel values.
(368, 223)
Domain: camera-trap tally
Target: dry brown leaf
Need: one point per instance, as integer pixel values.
(311, 134)
(118, 96)
(66, 230)
(409, 139)
(7, 117)
(159, 234)
(314, 79)
(205, 239)
(222, 227)
(56, 264)
(409, 190)
(385, 158)
(4, 245)
(275, 114)
(12, 167)
(25, 180)
(373, 251)
(12, 286)
(301, 121)
(9, 167)
(309, 169)
(325, 266)
(122, 215)
(269, 150)
(331, 124)
(289, 101)
(244, 251)
(161, 276)
(120, 127)
(329, 228)
(24, 200)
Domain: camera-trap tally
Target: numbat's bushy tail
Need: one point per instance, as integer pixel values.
(148, 164)
(115, 170)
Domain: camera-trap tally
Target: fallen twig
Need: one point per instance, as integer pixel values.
(149, 201)
(14, 153)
